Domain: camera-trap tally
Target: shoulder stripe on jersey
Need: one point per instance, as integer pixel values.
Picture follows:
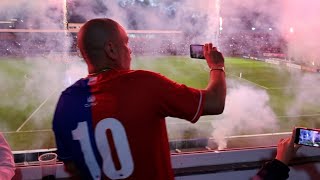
(200, 102)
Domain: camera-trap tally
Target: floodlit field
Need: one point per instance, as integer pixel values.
(25, 116)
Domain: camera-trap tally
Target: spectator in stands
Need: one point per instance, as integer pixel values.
(111, 124)
(7, 166)
(278, 168)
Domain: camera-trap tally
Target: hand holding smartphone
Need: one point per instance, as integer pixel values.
(307, 137)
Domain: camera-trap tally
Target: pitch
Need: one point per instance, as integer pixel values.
(26, 106)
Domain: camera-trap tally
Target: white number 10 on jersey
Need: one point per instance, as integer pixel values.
(81, 133)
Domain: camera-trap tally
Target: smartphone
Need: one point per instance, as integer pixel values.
(196, 51)
(307, 137)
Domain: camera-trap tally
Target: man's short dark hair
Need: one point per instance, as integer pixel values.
(93, 36)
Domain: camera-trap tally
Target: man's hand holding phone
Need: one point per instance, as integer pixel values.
(214, 58)
(215, 92)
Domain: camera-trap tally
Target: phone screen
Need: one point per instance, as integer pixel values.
(196, 51)
(307, 137)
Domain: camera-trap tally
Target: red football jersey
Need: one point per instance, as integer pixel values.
(128, 137)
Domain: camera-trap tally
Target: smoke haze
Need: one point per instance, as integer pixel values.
(301, 27)
(247, 111)
(247, 108)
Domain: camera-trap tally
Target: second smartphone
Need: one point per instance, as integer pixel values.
(307, 137)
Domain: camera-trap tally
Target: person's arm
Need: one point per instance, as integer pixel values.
(7, 166)
(181, 101)
(278, 169)
(215, 93)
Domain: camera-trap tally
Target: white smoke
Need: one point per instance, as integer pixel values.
(35, 79)
(300, 26)
(305, 93)
(247, 111)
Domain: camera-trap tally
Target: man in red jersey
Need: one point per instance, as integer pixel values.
(111, 124)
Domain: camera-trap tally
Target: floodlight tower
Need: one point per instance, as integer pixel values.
(65, 24)
(219, 19)
(65, 14)
(65, 57)
(212, 10)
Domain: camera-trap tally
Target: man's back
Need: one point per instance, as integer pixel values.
(115, 122)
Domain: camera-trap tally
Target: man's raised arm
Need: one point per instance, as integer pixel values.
(215, 93)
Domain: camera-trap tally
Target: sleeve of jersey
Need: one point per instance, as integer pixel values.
(62, 135)
(178, 100)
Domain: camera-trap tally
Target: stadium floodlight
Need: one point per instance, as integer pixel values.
(291, 30)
